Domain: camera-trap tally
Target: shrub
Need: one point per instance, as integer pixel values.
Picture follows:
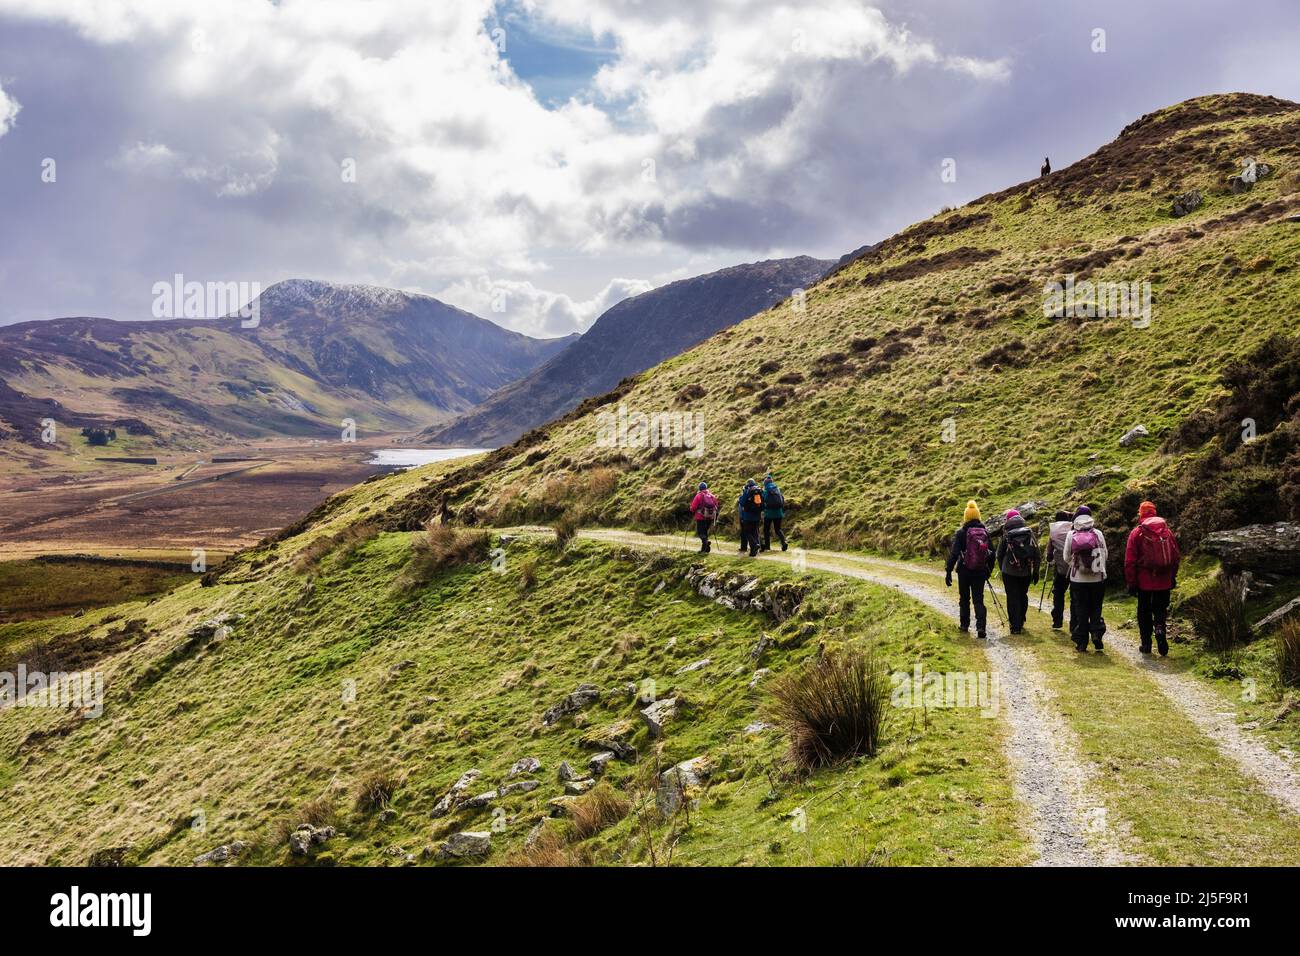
(319, 812)
(1287, 652)
(833, 709)
(1219, 615)
(527, 573)
(549, 848)
(442, 547)
(602, 807)
(376, 789)
(566, 528)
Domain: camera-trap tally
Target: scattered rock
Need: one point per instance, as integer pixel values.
(1186, 203)
(660, 714)
(614, 737)
(466, 843)
(676, 784)
(456, 793)
(576, 788)
(598, 763)
(400, 666)
(697, 665)
(758, 676)
(757, 727)
(584, 696)
(559, 806)
(226, 851)
(1133, 434)
(566, 772)
(307, 836)
(519, 786)
(780, 599)
(479, 800)
(758, 650)
(1258, 547)
(524, 765)
(1274, 618)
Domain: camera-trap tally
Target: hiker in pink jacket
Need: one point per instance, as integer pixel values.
(1151, 561)
(704, 509)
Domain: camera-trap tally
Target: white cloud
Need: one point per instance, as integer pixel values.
(521, 305)
(9, 108)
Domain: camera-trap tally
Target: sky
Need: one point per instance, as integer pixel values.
(537, 161)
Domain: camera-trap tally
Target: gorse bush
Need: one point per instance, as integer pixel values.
(833, 709)
(440, 548)
(1219, 615)
(1286, 649)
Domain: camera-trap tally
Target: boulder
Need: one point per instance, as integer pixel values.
(307, 836)
(1272, 548)
(584, 696)
(466, 843)
(599, 762)
(614, 737)
(519, 786)
(576, 788)
(695, 666)
(221, 854)
(677, 783)
(1273, 619)
(566, 773)
(1186, 202)
(524, 765)
(480, 800)
(660, 714)
(759, 649)
(758, 676)
(1133, 434)
(457, 792)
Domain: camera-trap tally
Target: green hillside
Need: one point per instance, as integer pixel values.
(939, 332)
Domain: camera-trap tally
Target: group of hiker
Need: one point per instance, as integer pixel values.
(1076, 558)
(758, 505)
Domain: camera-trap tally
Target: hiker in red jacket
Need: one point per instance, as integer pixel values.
(1151, 572)
(704, 509)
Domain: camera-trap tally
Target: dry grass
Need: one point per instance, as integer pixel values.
(549, 849)
(566, 528)
(1287, 653)
(320, 812)
(442, 547)
(1219, 615)
(602, 807)
(375, 790)
(834, 709)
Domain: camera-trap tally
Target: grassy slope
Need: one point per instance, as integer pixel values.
(860, 451)
(250, 728)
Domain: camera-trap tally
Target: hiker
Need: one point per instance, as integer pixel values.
(972, 557)
(704, 509)
(1151, 571)
(1085, 553)
(1017, 559)
(1046, 168)
(1056, 533)
(750, 507)
(773, 513)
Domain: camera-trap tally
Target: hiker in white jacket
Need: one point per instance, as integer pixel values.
(1085, 553)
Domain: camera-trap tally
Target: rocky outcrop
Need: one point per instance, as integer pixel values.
(227, 851)
(524, 765)
(659, 714)
(452, 798)
(1271, 548)
(1133, 434)
(467, 843)
(519, 786)
(307, 836)
(584, 696)
(614, 737)
(1273, 619)
(1186, 203)
(740, 592)
(680, 783)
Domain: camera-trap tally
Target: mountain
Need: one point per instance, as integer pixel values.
(936, 367)
(320, 353)
(626, 339)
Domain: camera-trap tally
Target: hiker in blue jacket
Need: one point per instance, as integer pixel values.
(773, 513)
(750, 507)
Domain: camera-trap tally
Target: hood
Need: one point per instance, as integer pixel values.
(1155, 523)
(1014, 524)
(1083, 523)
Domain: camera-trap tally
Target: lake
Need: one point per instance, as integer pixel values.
(403, 458)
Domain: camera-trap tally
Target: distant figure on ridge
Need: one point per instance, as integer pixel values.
(1046, 167)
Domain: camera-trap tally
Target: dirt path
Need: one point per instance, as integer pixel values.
(1051, 778)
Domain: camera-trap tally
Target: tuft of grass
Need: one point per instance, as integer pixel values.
(833, 709)
(601, 808)
(319, 812)
(1219, 615)
(440, 548)
(550, 848)
(566, 527)
(527, 574)
(1286, 649)
(375, 790)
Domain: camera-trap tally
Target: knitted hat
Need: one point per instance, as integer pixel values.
(1082, 510)
(972, 512)
(704, 486)
(1146, 510)
(1013, 513)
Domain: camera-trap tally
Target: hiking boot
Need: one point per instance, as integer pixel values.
(753, 553)
(1081, 648)
(1163, 645)
(981, 635)
(1145, 648)
(1057, 625)
(784, 546)
(1096, 642)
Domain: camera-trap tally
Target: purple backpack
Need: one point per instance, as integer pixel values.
(1083, 551)
(978, 554)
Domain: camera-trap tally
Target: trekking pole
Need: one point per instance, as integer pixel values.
(993, 591)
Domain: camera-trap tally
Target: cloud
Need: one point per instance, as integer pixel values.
(521, 305)
(9, 108)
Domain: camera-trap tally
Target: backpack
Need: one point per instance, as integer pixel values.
(978, 554)
(775, 500)
(1156, 549)
(1085, 551)
(758, 498)
(708, 508)
(1020, 553)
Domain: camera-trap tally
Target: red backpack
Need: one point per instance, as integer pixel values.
(1157, 550)
(978, 554)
